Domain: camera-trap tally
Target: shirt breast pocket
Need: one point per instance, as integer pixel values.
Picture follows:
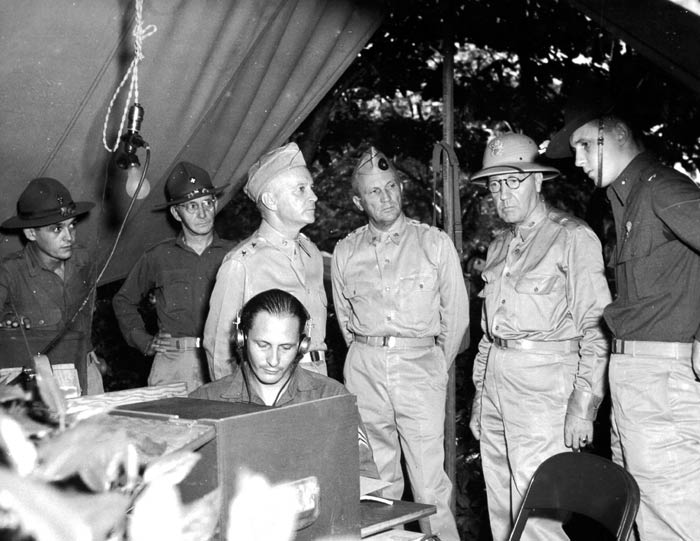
(645, 257)
(537, 284)
(176, 289)
(541, 298)
(418, 293)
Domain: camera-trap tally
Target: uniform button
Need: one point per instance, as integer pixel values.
(508, 274)
(284, 243)
(497, 327)
(387, 288)
(503, 301)
(41, 322)
(387, 261)
(516, 251)
(388, 318)
(537, 289)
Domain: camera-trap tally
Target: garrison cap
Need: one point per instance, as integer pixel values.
(512, 153)
(186, 182)
(270, 166)
(373, 163)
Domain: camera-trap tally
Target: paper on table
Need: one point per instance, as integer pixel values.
(367, 485)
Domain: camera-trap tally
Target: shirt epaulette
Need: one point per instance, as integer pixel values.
(564, 219)
(244, 250)
(152, 247)
(357, 231)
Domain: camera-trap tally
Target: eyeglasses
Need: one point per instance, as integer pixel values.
(496, 185)
(192, 207)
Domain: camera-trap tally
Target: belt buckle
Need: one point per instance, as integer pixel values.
(198, 342)
(388, 341)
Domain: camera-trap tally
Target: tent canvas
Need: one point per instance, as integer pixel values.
(221, 82)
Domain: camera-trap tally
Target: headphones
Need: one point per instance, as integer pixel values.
(239, 338)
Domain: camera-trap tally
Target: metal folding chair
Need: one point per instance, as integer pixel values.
(586, 484)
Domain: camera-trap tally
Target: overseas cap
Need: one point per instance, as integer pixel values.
(512, 153)
(187, 181)
(45, 201)
(270, 166)
(373, 163)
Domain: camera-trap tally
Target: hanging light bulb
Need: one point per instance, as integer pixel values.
(133, 176)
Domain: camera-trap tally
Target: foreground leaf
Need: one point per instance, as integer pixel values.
(43, 511)
(201, 517)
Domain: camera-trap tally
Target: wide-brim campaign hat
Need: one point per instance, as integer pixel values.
(587, 104)
(186, 182)
(45, 201)
(512, 153)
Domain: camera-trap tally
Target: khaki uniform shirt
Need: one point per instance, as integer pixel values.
(405, 282)
(544, 281)
(265, 260)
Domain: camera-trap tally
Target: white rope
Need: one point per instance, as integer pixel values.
(140, 33)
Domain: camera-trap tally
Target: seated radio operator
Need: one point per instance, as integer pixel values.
(46, 286)
(270, 335)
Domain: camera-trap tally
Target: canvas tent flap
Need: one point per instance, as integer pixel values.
(665, 31)
(221, 83)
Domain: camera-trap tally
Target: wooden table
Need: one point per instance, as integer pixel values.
(377, 517)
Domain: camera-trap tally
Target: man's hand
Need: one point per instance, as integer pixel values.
(12, 321)
(577, 432)
(695, 357)
(160, 344)
(475, 424)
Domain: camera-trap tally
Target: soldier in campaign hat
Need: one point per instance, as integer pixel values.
(403, 309)
(539, 373)
(178, 273)
(655, 317)
(277, 255)
(43, 287)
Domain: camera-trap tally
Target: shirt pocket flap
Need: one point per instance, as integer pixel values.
(537, 284)
(357, 289)
(419, 282)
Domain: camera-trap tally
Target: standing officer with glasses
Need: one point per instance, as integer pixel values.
(655, 317)
(180, 273)
(540, 370)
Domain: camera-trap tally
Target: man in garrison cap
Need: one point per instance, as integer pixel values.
(277, 255)
(540, 370)
(46, 289)
(403, 309)
(179, 273)
(655, 317)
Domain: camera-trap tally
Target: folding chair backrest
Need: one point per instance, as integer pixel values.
(586, 484)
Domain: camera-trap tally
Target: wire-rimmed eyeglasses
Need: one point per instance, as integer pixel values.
(496, 185)
(192, 207)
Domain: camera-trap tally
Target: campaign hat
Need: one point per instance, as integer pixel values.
(270, 166)
(186, 182)
(588, 103)
(512, 153)
(45, 201)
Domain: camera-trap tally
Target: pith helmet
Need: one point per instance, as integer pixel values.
(270, 166)
(512, 153)
(373, 163)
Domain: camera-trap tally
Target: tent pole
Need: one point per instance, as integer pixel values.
(450, 199)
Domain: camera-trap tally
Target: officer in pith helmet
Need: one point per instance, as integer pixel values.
(44, 288)
(403, 309)
(179, 274)
(277, 255)
(540, 370)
